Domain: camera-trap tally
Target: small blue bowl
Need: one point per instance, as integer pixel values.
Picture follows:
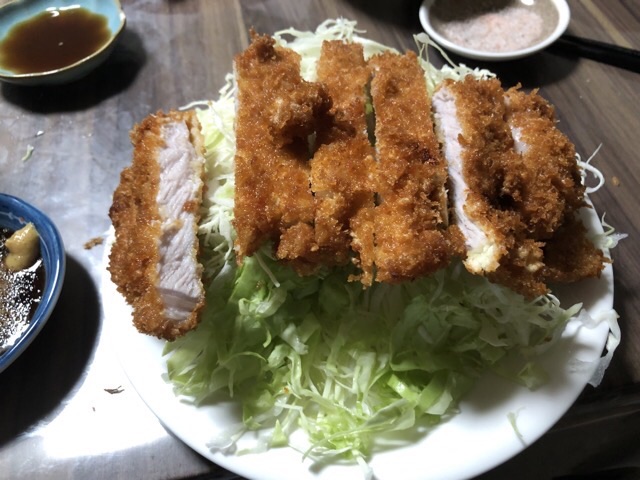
(15, 214)
(20, 10)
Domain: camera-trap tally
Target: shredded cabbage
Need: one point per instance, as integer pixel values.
(345, 365)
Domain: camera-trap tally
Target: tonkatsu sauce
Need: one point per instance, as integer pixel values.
(53, 39)
(20, 295)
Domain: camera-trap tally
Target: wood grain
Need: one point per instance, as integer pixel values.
(177, 51)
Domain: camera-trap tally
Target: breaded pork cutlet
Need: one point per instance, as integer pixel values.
(153, 261)
(552, 189)
(477, 144)
(515, 185)
(276, 111)
(486, 184)
(411, 234)
(343, 165)
(570, 255)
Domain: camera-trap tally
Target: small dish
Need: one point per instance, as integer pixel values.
(22, 11)
(15, 214)
(452, 23)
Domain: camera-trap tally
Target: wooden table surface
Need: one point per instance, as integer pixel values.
(61, 415)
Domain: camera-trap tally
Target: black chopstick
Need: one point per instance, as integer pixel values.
(608, 53)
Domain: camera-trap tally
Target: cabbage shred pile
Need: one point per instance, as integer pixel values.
(318, 354)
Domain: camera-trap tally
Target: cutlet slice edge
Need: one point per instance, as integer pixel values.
(145, 228)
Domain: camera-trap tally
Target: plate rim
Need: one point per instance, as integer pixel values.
(239, 464)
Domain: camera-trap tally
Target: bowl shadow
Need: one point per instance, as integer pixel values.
(113, 76)
(36, 384)
(403, 13)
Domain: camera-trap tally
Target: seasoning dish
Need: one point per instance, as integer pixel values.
(494, 30)
(15, 214)
(49, 42)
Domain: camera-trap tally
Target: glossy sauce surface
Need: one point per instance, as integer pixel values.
(53, 39)
(20, 295)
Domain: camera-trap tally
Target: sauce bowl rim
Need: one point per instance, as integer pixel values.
(54, 259)
(17, 77)
(564, 16)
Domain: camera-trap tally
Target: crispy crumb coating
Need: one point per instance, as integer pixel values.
(493, 174)
(551, 191)
(343, 165)
(520, 178)
(550, 185)
(411, 238)
(489, 160)
(276, 110)
(136, 217)
(570, 255)
(523, 184)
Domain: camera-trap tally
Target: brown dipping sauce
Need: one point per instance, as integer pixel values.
(20, 295)
(53, 39)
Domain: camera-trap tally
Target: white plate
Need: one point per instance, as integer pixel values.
(474, 441)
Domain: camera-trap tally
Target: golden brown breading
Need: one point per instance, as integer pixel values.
(136, 254)
(551, 192)
(523, 185)
(342, 168)
(570, 256)
(410, 222)
(322, 212)
(493, 176)
(276, 110)
(487, 156)
(551, 188)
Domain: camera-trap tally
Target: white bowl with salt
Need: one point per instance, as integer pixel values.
(494, 30)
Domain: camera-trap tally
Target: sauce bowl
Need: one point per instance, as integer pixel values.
(19, 11)
(436, 16)
(15, 214)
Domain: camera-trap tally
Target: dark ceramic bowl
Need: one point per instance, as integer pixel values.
(15, 214)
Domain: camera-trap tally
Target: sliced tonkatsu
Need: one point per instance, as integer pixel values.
(155, 213)
(552, 188)
(477, 145)
(276, 111)
(343, 165)
(514, 181)
(412, 237)
(553, 191)
(472, 172)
